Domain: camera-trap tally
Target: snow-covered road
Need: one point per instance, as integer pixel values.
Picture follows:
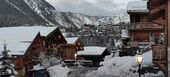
(80, 71)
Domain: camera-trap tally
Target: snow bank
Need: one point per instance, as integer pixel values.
(58, 71)
(122, 67)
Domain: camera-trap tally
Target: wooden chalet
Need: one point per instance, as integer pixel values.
(30, 42)
(160, 14)
(52, 40)
(67, 51)
(150, 24)
(24, 45)
(31, 56)
(141, 29)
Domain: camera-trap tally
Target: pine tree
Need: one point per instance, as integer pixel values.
(6, 67)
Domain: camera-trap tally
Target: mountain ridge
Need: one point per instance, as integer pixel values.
(40, 12)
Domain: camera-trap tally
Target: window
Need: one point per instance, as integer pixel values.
(35, 56)
(137, 18)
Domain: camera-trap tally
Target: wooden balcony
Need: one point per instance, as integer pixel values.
(145, 26)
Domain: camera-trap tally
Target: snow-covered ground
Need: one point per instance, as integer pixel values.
(123, 67)
(112, 67)
(58, 71)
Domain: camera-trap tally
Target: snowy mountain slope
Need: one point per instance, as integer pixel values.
(78, 19)
(40, 12)
(39, 6)
(47, 12)
(16, 12)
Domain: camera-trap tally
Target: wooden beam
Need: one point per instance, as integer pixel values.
(157, 9)
(157, 15)
(156, 3)
(167, 35)
(168, 26)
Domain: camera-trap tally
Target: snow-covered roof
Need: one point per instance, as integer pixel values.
(23, 33)
(15, 37)
(71, 40)
(92, 50)
(137, 6)
(15, 47)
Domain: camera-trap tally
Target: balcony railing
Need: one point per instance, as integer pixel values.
(145, 25)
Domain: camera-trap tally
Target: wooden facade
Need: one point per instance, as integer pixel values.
(54, 38)
(142, 30)
(67, 51)
(19, 64)
(31, 56)
(145, 31)
(150, 26)
(159, 13)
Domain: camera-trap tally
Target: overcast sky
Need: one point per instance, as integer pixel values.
(91, 7)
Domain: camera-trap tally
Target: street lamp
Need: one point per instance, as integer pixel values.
(75, 57)
(139, 60)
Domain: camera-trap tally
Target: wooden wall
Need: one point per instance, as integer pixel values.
(141, 36)
(168, 21)
(19, 65)
(142, 17)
